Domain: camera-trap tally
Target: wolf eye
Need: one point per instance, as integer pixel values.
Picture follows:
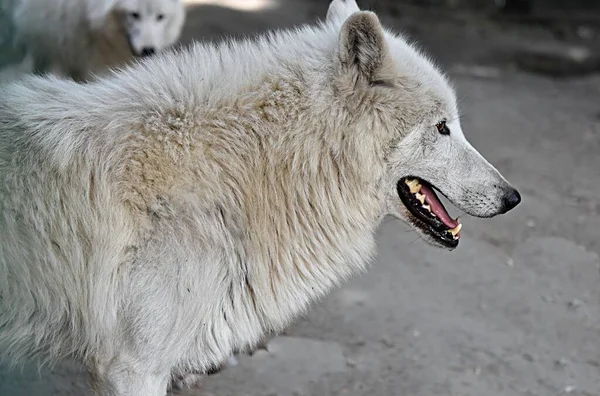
(443, 128)
(134, 15)
(160, 17)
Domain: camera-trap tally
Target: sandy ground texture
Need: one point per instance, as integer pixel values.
(515, 311)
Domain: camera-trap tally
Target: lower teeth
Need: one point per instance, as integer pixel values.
(454, 232)
(415, 188)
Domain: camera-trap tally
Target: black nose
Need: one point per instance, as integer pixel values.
(147, 51)
(512, 199)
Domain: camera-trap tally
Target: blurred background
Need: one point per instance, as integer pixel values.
(515, 310)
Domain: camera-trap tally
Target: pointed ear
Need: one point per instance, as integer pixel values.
(97, 11)
(340, 10)
(363, 52)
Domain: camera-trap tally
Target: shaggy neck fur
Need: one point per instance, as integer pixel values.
(254, 165)
(284, 170)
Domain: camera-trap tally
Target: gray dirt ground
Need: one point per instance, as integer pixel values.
(514, 311)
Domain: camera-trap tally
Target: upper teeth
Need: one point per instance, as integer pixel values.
(455, 230)
(414, 185)
(420, 197)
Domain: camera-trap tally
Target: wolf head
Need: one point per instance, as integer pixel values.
(150, 25)
(415, 107)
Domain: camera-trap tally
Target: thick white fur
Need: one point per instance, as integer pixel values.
(82, 38)
(156, 220)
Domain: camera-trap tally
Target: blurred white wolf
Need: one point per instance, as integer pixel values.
(80, 38)
(158, 219)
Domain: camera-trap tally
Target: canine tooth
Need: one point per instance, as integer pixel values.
(427, 207)
(414, 185)
(420, 197)
(455, 230)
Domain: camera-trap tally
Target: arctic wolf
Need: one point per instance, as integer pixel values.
(158, 219)
(80, 38)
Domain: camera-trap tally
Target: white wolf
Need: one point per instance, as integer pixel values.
(158, 219)
(81, 38)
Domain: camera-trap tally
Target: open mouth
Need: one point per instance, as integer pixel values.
(428, 211)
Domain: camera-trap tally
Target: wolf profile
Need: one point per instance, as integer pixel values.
(158, 219)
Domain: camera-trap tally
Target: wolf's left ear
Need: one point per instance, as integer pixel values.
(97, 11)
(339, 10)
(363, 51)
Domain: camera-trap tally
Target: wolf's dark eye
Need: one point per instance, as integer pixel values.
(134, 15)
(160, 17)
(443, 128)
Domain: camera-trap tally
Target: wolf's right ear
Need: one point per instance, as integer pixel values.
(340, 10)
(97, 11)
(363, 51)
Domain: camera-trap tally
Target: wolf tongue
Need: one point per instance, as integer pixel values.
(437, 208)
